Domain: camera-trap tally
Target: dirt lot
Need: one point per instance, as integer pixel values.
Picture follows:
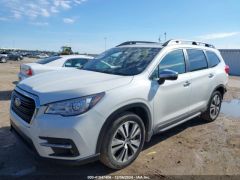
(194, 148)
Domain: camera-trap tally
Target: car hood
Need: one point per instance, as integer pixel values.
(70, 83)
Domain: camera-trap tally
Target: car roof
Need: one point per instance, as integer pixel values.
(157, 45)
(169, 44)
(168, 47)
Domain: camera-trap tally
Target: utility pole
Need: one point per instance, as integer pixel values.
(165, 35)
(159, 39)
(105, 43)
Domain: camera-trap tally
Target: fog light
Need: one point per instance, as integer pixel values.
(61, 147)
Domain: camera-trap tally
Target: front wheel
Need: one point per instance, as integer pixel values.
(123, 142)
(214, 107)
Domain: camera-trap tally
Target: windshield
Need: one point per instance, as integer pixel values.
(48, 59)
(123, 61)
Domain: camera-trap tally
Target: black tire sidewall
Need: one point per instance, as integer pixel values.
(122, 118)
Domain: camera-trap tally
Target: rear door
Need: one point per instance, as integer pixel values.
(200, 79)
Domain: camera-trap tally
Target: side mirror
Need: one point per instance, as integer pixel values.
(167, 75)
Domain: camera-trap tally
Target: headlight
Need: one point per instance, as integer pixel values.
(74, 107)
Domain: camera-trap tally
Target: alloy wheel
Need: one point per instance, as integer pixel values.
(215, 106)
(126, 141)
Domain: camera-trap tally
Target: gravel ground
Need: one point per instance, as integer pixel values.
(193, 148)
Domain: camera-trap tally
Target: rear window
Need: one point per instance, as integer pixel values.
(78, 63)
(213, 59)
(48, 60)
(197, 59)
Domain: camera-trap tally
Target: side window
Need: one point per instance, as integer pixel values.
(77, 63)
(213, 58)
(173, 61)
(68, 63)
(197, 59)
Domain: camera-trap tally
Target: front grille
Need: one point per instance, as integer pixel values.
(23, 106)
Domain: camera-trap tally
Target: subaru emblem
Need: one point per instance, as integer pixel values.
(17, 102)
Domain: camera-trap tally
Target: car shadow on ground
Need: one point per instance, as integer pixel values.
(27, 164)
(5, 95)
(157, 138)
(15, 82)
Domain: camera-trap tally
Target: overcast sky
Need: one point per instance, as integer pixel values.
(84, 24)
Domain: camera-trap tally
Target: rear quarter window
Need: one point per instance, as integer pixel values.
(212, 58)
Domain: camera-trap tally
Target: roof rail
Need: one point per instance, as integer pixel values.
(135, 42)
(177, 41)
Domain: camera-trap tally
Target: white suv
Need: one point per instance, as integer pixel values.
(108, 109)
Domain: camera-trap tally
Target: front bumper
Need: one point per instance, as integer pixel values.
(31, 148)
(74, 138)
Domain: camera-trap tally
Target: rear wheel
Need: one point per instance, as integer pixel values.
(123, 142)
(3, 60)
(214, 107)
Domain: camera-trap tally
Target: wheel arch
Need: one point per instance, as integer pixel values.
(140, 109)
(221, 88)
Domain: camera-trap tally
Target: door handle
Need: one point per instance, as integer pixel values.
(187, 83)
(211, 75)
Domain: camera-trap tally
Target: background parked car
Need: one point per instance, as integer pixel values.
(42, 55)
(51, 64)
(3, 57)
(15, 56)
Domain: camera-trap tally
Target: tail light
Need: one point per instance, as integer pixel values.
(227, 69)
(29, 72)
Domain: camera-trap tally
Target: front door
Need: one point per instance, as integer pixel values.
(172, 98)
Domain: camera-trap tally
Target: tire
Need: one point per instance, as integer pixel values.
(3, 60)
(214, 107)
(122, 151)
